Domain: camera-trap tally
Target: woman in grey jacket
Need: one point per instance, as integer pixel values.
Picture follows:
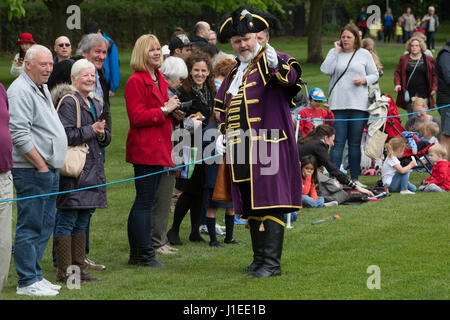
(352, 70)
(74, 208)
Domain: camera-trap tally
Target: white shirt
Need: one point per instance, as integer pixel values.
(388, 171)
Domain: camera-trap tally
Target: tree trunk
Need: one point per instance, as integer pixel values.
(315, 32)
(59, 16)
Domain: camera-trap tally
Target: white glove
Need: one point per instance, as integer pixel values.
(221, 142)
(271, 55)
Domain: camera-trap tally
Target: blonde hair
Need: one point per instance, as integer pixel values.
(394, 145)
(432, 127)
(139, 56)
(419, 102)
(423, 46)
(439, 150)
(367, 42)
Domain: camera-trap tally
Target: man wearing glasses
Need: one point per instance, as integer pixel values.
(63, 49)
(62, 62)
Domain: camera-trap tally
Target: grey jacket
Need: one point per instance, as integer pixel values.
(35, 123)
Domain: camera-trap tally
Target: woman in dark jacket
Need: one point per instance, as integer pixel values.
(423, 82)
(317, 143)
(75, 208)
(200, 89)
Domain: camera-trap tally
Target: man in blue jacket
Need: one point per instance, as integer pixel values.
(111, 65)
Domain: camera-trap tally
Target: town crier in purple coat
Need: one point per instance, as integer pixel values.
(258, 138)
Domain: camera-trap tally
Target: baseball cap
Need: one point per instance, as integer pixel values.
(317, 94)
(179, 41)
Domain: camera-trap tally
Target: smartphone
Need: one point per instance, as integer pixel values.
(104, 116)
(341, 44)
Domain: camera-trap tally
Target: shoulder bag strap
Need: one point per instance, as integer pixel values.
(410, 76)
(77, 103)
(342, 74)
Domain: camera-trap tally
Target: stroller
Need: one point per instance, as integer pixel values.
(394, 128)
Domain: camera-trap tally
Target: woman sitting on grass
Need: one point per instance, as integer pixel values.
(394, 176)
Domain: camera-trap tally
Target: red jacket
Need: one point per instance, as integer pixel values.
(306, 126)
(149, 138)
(401, 79)
(440, 175)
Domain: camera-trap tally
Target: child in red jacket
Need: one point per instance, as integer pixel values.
(313, 111)
(440, 175)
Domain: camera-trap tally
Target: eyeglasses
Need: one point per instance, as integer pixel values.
(64, 45)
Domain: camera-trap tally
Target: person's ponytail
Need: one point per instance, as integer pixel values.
(318, 133)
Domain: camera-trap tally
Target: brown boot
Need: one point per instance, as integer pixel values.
(63, 254)
(78, 253)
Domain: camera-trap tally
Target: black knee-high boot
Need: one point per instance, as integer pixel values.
(211, 224)
(181, 208)
(229, 229)
(273, 247)
(257, 245)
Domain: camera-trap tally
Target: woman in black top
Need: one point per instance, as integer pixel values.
(200, 89)
(317, 143)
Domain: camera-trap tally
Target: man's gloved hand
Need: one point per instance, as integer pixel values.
(272, 58)
(221, 143)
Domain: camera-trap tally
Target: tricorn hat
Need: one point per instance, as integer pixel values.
(245, 20)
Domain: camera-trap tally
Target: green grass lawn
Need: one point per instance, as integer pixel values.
(407, 237)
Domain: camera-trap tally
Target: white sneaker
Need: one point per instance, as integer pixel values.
(36, 289)
(44, 282)
(331, 204)
(407, 192)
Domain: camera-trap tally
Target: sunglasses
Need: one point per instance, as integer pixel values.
(64, 45)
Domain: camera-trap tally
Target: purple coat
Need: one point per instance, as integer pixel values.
(263, 105)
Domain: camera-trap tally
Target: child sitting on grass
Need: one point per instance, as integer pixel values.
(310, 199)
(394, 176)
(313, 111)
(440, 175)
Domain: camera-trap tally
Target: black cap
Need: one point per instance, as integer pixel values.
(179, 41)
(245, 20)
(91, 26)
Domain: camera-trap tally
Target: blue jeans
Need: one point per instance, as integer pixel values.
(35, 221)
(140, 218)
(308, 202)
(71, 222)
(407, 36)
(400, 183)
(351, 132)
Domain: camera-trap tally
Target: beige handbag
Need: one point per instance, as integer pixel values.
(76, 155)
(375, 144)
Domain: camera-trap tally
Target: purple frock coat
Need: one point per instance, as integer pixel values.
(263, 104)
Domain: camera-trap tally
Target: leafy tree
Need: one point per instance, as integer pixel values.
(15, 9)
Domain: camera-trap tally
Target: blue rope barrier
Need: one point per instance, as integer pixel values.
(109, 183)
(374, 118)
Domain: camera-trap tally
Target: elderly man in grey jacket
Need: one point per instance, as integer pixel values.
(39, 149)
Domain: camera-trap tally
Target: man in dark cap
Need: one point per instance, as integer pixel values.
(254, 103)
(180, 46)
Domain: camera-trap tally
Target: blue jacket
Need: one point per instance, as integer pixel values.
(111, 65)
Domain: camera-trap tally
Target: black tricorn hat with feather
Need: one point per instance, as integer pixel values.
(245, 20)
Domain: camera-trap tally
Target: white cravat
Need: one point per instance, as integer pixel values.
(242, 69)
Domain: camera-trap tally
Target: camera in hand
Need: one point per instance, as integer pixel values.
(185, 106)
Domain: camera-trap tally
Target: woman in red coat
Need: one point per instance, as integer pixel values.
(423, 82)
(151, 114)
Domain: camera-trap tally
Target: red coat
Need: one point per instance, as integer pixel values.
(401, 79)
(440, 175)
(149, 138)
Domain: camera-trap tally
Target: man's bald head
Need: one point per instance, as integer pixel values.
(63, 48)
(202, 29)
